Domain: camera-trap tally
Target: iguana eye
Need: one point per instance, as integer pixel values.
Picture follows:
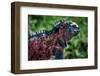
(74, 26)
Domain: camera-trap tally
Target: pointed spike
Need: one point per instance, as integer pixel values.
(30, 34)
(41, 31)
(33, 33)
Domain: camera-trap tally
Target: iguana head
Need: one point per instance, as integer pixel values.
(70, 27)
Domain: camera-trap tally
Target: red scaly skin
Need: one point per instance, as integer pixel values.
(41, 49)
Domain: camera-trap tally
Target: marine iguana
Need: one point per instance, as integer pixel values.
(50, 44)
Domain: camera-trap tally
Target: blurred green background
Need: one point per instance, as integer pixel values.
(77, 46)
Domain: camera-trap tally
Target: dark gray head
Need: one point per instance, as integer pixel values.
(72, 28)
